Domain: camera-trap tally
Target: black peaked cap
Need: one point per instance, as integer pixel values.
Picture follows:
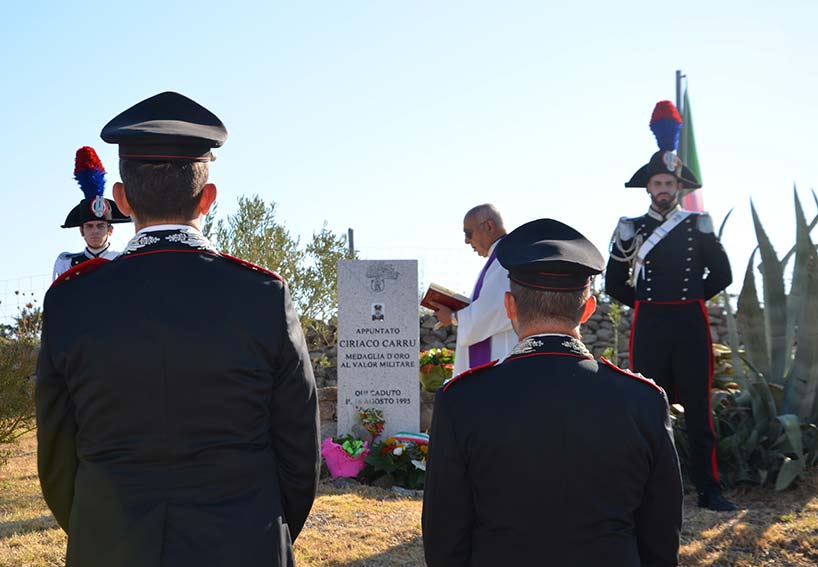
(549, 255)
(164, 127)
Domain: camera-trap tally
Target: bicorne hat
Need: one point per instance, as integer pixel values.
(90, 174)
(666, 125)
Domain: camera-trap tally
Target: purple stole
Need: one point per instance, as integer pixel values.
(480, 353)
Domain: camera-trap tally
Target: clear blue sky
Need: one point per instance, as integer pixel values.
(394, 118)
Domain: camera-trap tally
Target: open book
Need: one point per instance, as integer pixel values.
(447, 297)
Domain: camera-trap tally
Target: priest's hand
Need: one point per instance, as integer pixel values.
(443, 313)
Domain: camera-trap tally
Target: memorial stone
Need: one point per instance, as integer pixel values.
(378, 343)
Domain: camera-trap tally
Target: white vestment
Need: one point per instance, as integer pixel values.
(485, 317)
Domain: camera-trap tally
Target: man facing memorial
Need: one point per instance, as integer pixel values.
(484, 332)
(176, 405)
(551, 457)
(665, 264)
(94, 215)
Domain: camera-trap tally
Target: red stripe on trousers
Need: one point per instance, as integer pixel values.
(713, 462)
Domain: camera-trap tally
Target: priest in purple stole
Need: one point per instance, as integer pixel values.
(484, 331)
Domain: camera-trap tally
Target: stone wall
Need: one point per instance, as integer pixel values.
(597, 333)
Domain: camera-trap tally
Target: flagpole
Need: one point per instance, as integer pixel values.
(682, 150)
(679, 90)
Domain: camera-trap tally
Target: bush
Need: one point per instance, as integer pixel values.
(254, 234)
(18, 362)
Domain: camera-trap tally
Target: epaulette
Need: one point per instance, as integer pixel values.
(251, 266)
(79, 270)
(468, 372)
(625, 230)
(704, 222)
(634, 375)
(66, 255)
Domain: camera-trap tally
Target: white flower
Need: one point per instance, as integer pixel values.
(397, 451)
(419, 464)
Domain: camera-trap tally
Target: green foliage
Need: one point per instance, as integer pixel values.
(404, 461)
(18, 362)
(615, 317)
(253, 233)
(436, 366)
(351, 445)
(766, 430)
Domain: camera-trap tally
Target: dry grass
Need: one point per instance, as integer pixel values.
(369, 527)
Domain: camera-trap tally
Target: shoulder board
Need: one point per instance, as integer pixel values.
(704, 222)
(80, 269)
(67, 255)
(251, 266)
(468, 372)
(625, 229)
(633, 375)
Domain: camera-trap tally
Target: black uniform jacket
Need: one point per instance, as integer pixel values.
(689, 263)
(176, 407)
(551, 458)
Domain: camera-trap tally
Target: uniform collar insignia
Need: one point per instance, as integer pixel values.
(168, 238)
(551, 343)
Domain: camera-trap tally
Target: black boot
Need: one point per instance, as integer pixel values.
(713, 500)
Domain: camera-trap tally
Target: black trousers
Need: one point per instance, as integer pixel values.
(670, 343)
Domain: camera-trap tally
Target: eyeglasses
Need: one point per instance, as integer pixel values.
(468, 232)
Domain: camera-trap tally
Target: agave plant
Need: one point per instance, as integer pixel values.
(768, 428)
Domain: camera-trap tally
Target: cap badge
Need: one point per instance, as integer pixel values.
(672, 162)
(100, 207)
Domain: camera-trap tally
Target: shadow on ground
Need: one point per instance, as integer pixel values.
(409, 554)
(22, 527)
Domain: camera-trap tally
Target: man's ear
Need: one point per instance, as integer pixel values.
(209, 193)
(121, 199)
(588, 309)
(510, 303)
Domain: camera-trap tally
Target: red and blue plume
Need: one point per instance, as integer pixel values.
(88, 171)
(666, 125)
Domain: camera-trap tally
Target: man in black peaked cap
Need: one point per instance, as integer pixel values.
(665, 264)
(551, 457)
(184, 430)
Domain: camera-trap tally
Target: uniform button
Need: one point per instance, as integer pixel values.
(683, 298)
(687, 269)
(650, 299)
(649, 289)
(684, 289)
(686, 279)
(689, 238)
(647, 262)
(650, 279)
(689, 230)
(688, 221)
(690, 248)
(688, 260)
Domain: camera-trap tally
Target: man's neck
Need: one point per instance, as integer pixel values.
(194, 223)
(549, 328)
(664, 213)
(96, 251)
